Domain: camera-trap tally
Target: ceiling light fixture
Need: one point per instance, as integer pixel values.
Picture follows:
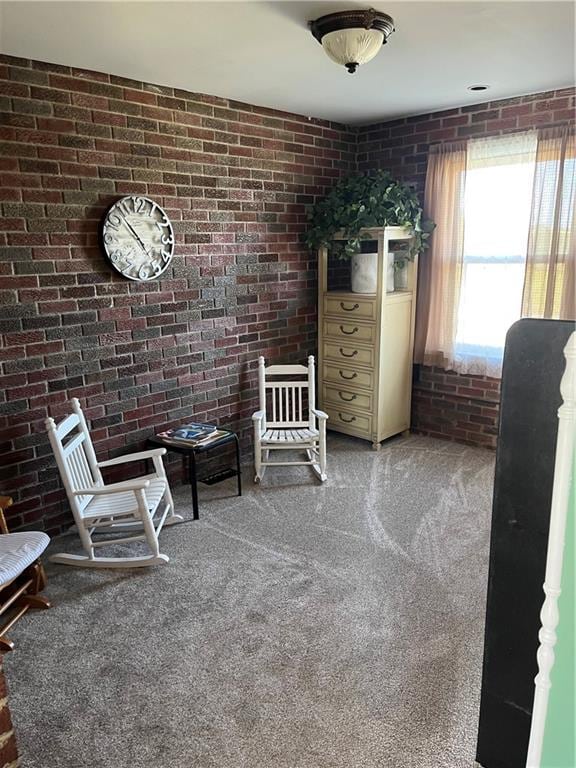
(352, 38)
(478, 87)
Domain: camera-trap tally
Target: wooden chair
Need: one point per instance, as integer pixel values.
(141, 504)
(288, 418)
(21, 574)
(8, 746)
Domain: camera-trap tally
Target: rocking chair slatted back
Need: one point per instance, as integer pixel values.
(67, 425)
(78, 467)
(289, 403)
(286, 402)
(75, 456)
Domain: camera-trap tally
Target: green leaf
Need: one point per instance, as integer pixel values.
(361, 201)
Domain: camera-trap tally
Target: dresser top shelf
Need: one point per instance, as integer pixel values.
(350, 296)
(391, 233)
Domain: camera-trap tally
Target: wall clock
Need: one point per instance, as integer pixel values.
(137, 238)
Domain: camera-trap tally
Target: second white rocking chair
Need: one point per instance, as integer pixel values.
(288, 418)
(144, 503)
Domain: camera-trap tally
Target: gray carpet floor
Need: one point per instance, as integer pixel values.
(300, 626)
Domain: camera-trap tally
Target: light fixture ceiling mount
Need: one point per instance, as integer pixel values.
(352, 38)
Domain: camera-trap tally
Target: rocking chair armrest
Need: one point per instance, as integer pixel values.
(319, 414)
(102, 490)
(133, 457)
(258, 416)
(5, 502)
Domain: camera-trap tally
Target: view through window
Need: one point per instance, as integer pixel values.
(497, 205)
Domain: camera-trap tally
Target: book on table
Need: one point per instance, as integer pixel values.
(192, 434)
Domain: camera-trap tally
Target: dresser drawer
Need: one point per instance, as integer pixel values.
(348, 353)
(350, 377)
(350, 331)
(337, 397)
(347, 421)
(365, 309)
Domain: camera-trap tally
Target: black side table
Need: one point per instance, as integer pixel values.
(190, 452)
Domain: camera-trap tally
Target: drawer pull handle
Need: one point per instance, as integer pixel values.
(349, 309)
(348, 333)
(352, 354)
(347, 421)
(347, 399)
(348, 378)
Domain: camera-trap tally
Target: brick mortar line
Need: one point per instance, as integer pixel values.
(454, 396)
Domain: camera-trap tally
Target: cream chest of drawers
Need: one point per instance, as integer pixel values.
(365, 350)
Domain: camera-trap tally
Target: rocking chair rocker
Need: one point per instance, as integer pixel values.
(288, 418)
(143, 503)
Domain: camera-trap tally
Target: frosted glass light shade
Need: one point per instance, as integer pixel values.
(351, 38)
(355, 46)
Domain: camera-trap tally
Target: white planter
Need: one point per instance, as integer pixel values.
(390, 273)
(364, 271)
(401, 278)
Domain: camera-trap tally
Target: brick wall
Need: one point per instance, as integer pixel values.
(447, 404)
(234, 180)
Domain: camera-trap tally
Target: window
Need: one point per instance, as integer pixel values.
(504, 245)
(497, 203)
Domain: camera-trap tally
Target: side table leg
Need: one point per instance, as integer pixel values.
(239, 475)
(193, 484)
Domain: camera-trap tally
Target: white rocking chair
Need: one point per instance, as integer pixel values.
(286, 421)
(119, 507)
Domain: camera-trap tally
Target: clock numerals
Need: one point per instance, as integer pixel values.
(164, 224)
(158, 269)
(114, 221)
(139, 203)
(123, 207)
(138, 238)
(150, 271)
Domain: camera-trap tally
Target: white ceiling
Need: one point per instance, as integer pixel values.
(263, 53)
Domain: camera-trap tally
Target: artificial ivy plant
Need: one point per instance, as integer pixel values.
(366, 200)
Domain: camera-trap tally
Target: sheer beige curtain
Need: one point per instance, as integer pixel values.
(499, 180)
(441, 265)
(549, 285)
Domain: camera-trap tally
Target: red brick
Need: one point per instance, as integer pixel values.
(564, 115)
(141, 97)
(502, 125)
(517, 110)
(535, 120)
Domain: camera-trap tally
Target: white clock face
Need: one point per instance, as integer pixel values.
(138, 238)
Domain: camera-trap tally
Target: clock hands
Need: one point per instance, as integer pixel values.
(137, 236)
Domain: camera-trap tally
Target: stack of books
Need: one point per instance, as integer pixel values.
(192, 434)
